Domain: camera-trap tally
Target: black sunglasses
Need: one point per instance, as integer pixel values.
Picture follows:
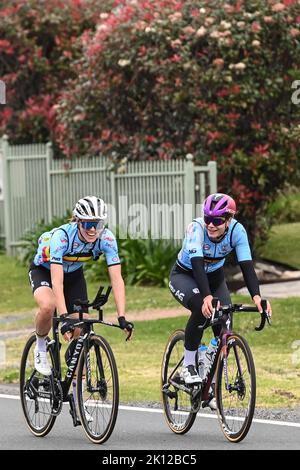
(216, 221)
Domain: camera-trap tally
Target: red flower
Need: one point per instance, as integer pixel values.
(105, 134)
(195, 13)
(234, 90)
(232, 116)
(176, 58)
(219, 63)
(142, 50)
(229, 150)
(150, 138)
(6, 114)
(262, 149)
(255, 125)
(212, 136)
(256, 28)
(6, 47)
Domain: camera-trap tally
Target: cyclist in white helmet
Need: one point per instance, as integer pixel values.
(56, 273)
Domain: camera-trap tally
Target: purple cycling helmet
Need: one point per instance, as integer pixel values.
(219, 205)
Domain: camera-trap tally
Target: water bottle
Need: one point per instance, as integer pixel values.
(201, 360)
(210, 351)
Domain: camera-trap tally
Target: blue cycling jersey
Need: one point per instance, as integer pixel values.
(197, 243)
(63, 246)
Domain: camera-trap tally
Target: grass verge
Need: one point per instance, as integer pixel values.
(283, 245)
(16, 294)
(276, 353)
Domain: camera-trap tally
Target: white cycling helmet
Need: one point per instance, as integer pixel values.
(90, 208)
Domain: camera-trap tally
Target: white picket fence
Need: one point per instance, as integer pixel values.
(157, 195)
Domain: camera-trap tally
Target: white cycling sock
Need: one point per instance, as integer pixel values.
(189, 357)
(41, 343)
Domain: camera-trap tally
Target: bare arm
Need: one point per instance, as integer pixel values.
(118, 287)
(57, 279)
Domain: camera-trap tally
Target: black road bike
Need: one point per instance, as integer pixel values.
(91, 362)
(231, 373)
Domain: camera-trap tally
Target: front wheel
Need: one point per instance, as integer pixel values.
(177, 403)
(235, 389)
(98, 390)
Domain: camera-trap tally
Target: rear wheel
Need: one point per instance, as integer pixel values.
(177, 403)
(98, 401)
(236, 397)
(35, 391)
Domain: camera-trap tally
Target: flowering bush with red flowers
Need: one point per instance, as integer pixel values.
(162, 78)
(38, 45)
(156, 79)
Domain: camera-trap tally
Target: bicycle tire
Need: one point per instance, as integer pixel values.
(180, 422)
(236, 421)
(105, 398)
(32, 418)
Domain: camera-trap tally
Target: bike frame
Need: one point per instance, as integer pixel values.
(221, 349)
(82, 342)
(55, 345)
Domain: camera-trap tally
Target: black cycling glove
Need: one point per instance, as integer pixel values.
(66, 326)
(125, 325)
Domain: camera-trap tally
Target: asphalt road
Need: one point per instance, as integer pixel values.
(144, 429)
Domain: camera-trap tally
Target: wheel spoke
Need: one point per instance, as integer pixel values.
(33, 387)
(98, 405)
(176, 401)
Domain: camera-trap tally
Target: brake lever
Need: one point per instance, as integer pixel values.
(264, 316)
(129, 335)
(130, 331)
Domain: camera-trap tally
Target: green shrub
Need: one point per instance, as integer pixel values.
(144, 261)
(29, 241)
(286, 208)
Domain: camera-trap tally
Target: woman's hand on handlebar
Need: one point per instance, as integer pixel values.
(67, 330)
(127, 326)
(207, 307)
(257, 301)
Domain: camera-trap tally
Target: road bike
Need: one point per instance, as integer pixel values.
(230, 377)
(90, 362)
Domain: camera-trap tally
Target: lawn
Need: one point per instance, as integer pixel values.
(16, 293)
(275, 349)
(284, 244)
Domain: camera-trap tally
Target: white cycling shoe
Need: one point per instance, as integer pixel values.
(190, 375)
(212, 404)
(41, 363)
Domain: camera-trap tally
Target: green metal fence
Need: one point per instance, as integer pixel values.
(157, 195)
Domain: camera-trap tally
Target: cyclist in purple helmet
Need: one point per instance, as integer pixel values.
(198, 275)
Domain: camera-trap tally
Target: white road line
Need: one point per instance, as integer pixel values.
(200, 415)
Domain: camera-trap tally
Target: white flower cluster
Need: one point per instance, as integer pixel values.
(123, 62)
(240, 66)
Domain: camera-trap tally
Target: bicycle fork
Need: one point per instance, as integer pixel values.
(101, 385)
(238, 386)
